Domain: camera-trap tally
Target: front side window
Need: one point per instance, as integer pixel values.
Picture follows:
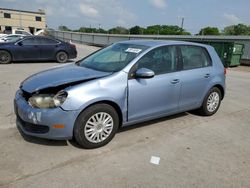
(113, 58)
(30, 41)
(194, 57)
(160, 60)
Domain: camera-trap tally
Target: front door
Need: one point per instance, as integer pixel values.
(27, 49)
(148, 98)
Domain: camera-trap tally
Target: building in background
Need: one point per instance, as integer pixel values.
(11, 19)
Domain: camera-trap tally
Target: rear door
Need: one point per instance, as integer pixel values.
(148, 98)
(48, 48)
(195, 75)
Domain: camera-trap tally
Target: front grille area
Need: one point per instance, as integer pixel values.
(33, 128)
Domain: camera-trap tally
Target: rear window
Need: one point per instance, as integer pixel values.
(194, 57)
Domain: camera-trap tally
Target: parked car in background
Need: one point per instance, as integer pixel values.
(123, 84)
(21, 32)
(36, 48)
(2, 35)
(9, 38)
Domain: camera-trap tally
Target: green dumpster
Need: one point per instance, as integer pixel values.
(229, 52)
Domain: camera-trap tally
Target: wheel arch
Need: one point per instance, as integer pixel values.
(220, 87)
(61, 50)
(111, 103)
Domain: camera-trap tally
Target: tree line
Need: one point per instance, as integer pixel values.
(239, 29)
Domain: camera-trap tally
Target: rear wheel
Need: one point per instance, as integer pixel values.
(211, 102)
(5, 57)
(61, 57)
(96, 126)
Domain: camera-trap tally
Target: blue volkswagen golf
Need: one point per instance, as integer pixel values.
(120, 85)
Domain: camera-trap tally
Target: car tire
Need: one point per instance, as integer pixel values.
(211, 102)
(5, 57)
(61, 57)
(96, 126)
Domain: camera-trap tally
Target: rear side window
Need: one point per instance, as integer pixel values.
(46, 41)
(160, 60)
(194, 57)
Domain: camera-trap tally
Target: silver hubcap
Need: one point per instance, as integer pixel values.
(213, 101)
(98, 127)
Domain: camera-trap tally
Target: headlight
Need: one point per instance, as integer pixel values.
(48, 100)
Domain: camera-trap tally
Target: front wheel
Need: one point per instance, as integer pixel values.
(5, 57)
(211, 102)
(96, 126)
(61, 57)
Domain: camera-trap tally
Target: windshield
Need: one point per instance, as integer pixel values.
(113, 58)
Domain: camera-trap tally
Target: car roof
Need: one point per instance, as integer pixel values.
(154, 43)
(37, 36)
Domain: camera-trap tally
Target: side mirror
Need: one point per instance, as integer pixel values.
(144, 73)
(20, 43)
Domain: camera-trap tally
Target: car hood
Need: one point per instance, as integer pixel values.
(60, 75)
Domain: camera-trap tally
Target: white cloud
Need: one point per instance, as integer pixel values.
(89, 11)
(160, 4)
(231, 18)
(124, 17)
(102, 12)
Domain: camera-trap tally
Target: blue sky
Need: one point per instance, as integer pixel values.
(127, 13)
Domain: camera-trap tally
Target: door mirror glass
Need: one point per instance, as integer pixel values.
(20, 43)
(144, 73)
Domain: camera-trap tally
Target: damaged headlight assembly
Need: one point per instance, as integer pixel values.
(48, 100)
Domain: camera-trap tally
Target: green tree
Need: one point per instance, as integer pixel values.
(165, 30)
(240, 29)
(91, 30)
(136, 30)
(118, 30)
(63, 28)
(209, 31)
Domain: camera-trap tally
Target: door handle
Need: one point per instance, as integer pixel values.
(175, 81)
(207, 76)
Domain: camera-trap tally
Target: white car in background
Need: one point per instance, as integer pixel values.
(21, 32)
(2, 35)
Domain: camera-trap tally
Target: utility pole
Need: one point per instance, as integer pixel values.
(182, 23)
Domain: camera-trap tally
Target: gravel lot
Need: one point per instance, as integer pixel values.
(194, 151)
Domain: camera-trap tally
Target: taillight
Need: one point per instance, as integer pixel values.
(225, 71)
(72, 45)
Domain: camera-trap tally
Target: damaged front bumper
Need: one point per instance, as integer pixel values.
(44, 123)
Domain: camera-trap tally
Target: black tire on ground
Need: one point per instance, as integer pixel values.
(83, 119)
(204, 110)
(5, 57)
(61, 57)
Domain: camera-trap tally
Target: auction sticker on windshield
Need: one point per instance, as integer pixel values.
(133, 50)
